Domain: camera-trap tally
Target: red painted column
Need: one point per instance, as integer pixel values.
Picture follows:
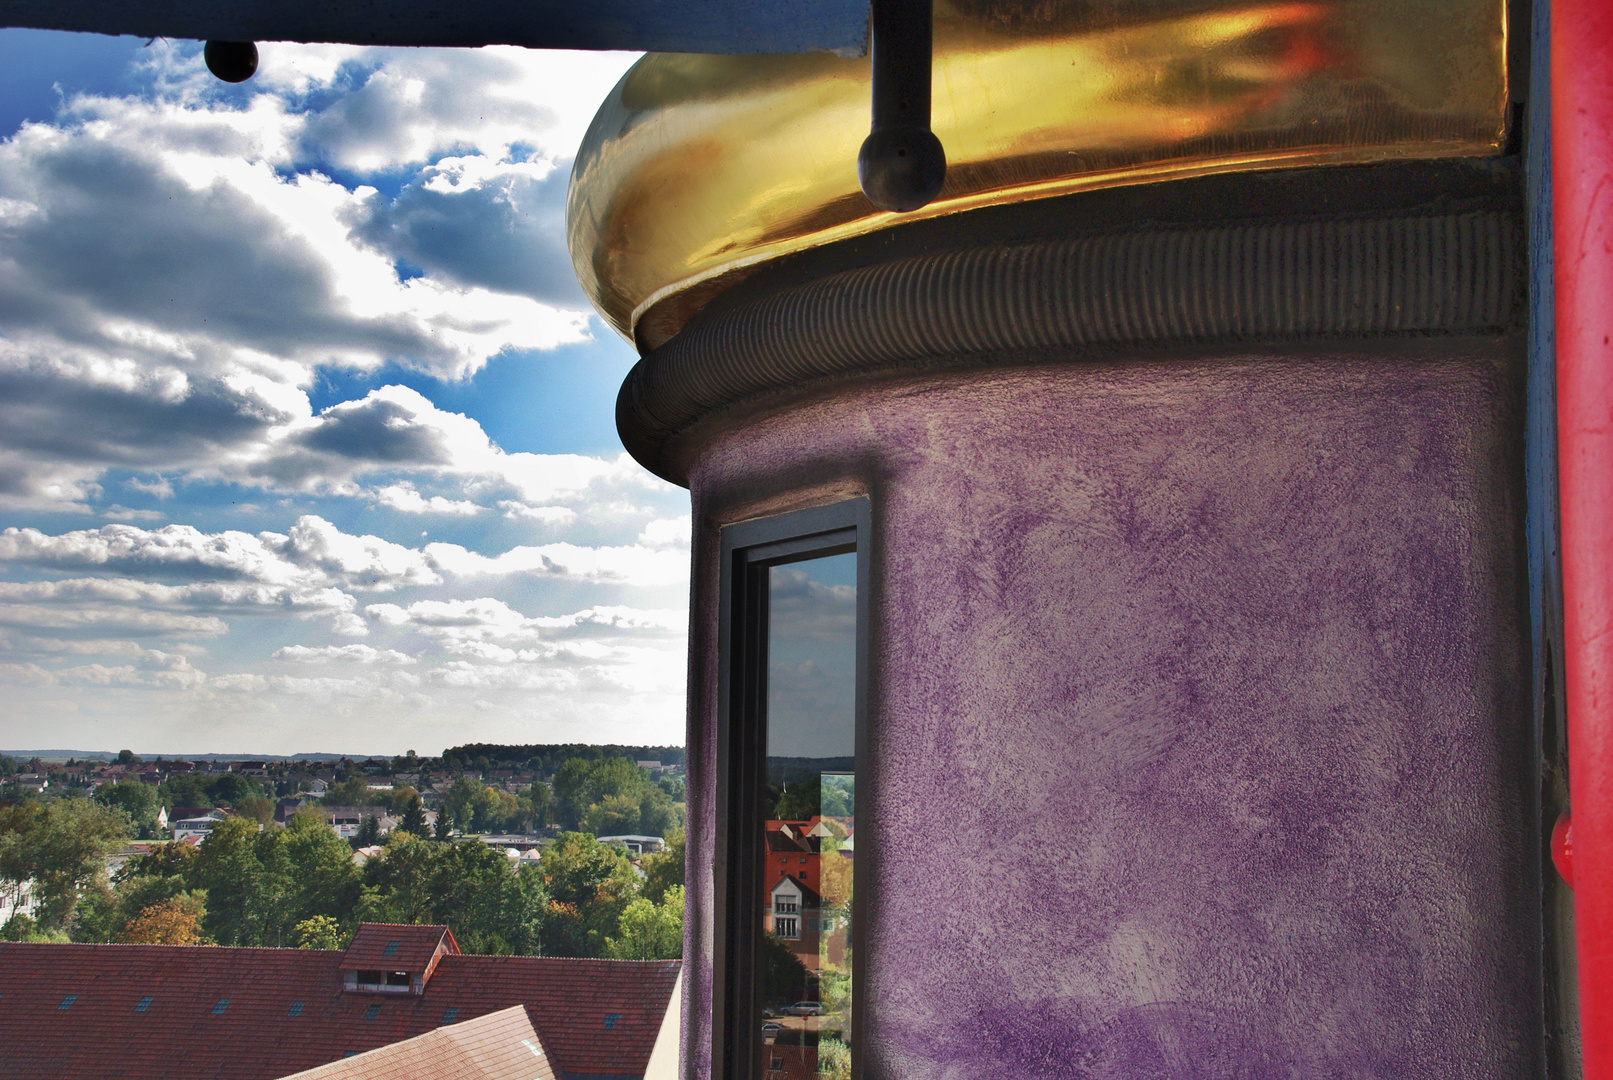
(1582, 179)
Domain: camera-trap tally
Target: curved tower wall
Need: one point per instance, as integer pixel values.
(1198, 715)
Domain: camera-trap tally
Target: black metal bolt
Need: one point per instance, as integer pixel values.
(231, 61)
(901, 165)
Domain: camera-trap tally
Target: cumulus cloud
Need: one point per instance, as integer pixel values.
(180, 268)
(175, 267)
(352, 654)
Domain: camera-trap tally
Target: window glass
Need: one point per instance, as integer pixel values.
(805, 967)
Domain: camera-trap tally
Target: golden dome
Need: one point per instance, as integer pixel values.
(698, 167)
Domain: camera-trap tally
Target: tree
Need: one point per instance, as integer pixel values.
(257, 808)
(650, 931)
(324, 880)
(580, 784)
(663, 870)
(127, 757)
(539, 802)
(62, 846)
(617, 815)
(172, 922)
(414, 816)
(461, 801)
(589, 887)
(658, 814)
(494, 909)
(354, 791)
(319, 932)
(369, 831)
(398, 884)
(139, 801)
(800, 800)
(445, 824)
(398, 801)
(229, 868)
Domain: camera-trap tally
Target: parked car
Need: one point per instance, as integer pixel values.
(804, 1008)
(771, 1028)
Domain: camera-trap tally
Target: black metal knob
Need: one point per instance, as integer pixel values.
(901, 169)
(232, 61)
(901, 165)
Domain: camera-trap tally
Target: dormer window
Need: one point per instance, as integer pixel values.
(389, 959)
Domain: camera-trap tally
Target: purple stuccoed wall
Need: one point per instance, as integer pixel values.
(1199, 711)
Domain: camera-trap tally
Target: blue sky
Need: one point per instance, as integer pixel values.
(306, 433)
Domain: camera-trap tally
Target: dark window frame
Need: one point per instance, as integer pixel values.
(748, 550)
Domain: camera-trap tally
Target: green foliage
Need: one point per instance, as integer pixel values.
(663, 870)
(493, 907)
(319, 932)
(537, 805)
(62, 846)
(23, 928)
(127, 757)
(139, 801)
(580, 784)
(784, 978)
(649, 931)
(414, 815)
(225, 789)
(354, 791)
(616, 815)
(545, 758)
(834, 1058)
(799, 801)
(590, 886)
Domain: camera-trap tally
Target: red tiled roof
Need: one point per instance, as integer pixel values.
(596, 1017)
(498, 1046)
(396, 947)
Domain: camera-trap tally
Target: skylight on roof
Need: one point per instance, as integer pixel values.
(295, 1010)
(144, 1003)
(610, 1020)
(449, 1015)
(391, 949)
(372, 1012)
(223, 1003)
(67, 1002)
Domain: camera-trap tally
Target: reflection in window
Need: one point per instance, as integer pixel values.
(806, 963)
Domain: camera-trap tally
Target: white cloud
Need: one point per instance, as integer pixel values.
(403, 496)
(175, 267)
(353, 654)
(181, 269)
(667, 532)
(632, 565)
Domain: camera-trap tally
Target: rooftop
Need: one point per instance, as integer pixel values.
(176, 1012)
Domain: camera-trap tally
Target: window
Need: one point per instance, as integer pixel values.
(791, 742)
(397, 978)
(295, 1010)
(67, 1002)
(143, 1004)
(775, 1064)
(448, 1015)
(372, 1012)
(391, 949)
(611, 1020)
(223, 1003)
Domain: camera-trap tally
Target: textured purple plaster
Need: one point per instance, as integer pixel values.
(1199, 711)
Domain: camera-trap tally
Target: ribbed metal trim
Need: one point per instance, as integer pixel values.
(1366, 276)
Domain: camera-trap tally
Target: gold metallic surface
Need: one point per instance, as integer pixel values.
(697, 167)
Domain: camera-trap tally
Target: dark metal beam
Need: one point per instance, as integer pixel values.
(706, 26)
